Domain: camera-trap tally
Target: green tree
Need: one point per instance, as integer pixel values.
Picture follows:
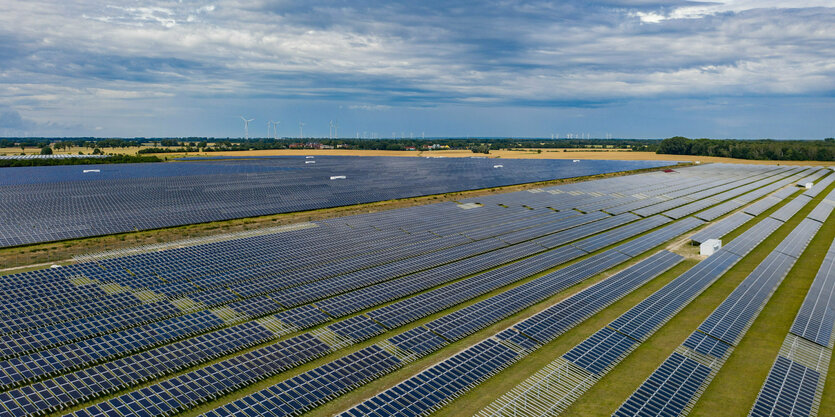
(677, 145)
(46, 150)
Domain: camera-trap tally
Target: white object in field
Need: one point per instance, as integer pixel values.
(308, 157)
(576, 160)
(91, 170)
(498, 166)
(468, 206)
(55, 266)
(338, 177)
(809, 185)
(698, 162)
(710, 246)
(309, 162)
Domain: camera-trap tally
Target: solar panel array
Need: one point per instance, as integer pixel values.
(722, 228)
(677, 384)
(184, 316)
(62, 202)
(463, 322)
(794, 385)
(443, 382)
(561, 382)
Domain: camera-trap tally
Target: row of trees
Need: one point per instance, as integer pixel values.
(796, 150)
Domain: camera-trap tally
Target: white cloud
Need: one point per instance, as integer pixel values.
(723, 6)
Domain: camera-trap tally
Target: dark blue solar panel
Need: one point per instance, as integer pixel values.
(789, 390)
(601, 350)
(358, 328)
(649, 314)
(816, 317)
(706, 345)
(418, 340)
(441, 383)
(553, 321)
(723, 227)
(729, 321)
(668, 390)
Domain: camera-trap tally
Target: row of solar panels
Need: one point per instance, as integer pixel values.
(704, 353)
(558, 385)
(795, 383)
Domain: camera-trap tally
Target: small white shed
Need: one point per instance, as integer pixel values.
(710, 246)
(808, 185)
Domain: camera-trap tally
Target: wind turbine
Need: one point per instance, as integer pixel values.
(275, 129)
(300, 129)
(246, 126)
(269, 126)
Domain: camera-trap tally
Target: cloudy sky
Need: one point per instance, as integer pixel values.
(629, 68)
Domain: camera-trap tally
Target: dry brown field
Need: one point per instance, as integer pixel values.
(551, 153)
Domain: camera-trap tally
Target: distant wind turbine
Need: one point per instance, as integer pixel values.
(275, 129)
(246, 126)
(301, 125)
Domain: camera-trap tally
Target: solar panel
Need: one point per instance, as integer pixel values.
(816, 317)
(600, 350)
(791, 208)
(553, 321)
(789, 390)
(642, 320)
(722, 228)
(667, 390)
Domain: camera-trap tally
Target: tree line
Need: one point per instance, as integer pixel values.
(766, 149)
